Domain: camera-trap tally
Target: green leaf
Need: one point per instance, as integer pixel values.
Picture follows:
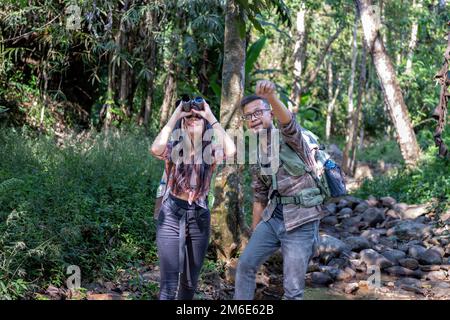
(253, 53)
(215, 87)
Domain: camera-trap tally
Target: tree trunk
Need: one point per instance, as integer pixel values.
(357, 116)
(152, 51)
(105, 113)
(346, 166)
(413, 38)
(299, 57)
(170, 86)
(332, 97)
(406, 137)
(125, 80)
(229, 228)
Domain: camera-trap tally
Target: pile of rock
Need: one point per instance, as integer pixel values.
(383, 245)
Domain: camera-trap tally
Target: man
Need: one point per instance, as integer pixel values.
(285, 215)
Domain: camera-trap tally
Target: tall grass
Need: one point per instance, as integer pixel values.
(87, 204)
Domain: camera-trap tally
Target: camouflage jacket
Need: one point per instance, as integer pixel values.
(294, 215)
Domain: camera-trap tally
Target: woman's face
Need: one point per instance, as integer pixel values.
(194, 126)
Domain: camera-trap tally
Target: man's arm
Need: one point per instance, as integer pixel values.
(289, 127)
(266, 89)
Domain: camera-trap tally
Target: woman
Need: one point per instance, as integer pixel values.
(184, 219)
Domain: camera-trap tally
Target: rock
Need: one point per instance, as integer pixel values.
(422, 219)
(380, 247)
(351, 287)
(372, 201)
(321, 278)
(430, 256)
(445, 217)
(357, 243)
(351, 222)
(436, 275)
(400, 207)
(373, 216)
(357, 265)
(441, 293)
(408, 281)
(414, 211)
(350, 272)
(408, 229)
(394, 255)
(345, 212)
(393, 214)
(343, 204)
(415, 251)
(337, 263)
(354, 201)
(373, 258)
(104, 296)
(313, 267)
(413, 289)
(445, 267)
(363, 206)
(439, 284)
(331, 271)
(331, 245)
(428, 268)
(331, 208)
(363, 171)
(330, 220)
(373, 235)
(409, 263)
(403, 272)
(388, 202)
(439, 250)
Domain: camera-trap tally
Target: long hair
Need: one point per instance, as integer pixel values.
(182, 172)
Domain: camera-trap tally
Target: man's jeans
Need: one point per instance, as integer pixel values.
(297, 247)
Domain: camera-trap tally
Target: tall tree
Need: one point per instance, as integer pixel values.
(413, 38)
(350, 109)
(299, 56)
(227, 215)
(333, 93)
(406, 137)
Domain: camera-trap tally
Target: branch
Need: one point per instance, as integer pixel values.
(315, 72)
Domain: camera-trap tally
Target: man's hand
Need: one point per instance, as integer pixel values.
(266, 89)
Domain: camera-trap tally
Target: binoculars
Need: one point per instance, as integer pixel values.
(198, 103)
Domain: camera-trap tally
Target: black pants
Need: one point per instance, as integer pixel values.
(182, 239)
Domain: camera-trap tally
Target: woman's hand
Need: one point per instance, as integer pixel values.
(179, 113)
(206, 113)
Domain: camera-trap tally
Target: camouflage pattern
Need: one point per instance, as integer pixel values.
(294, 215)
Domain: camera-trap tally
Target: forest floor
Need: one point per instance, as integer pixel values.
(372, 248)
(409, 245)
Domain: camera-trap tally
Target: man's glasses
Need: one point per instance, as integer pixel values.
(256, 115)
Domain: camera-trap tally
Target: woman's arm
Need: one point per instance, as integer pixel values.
(229, 148)
(160, 143)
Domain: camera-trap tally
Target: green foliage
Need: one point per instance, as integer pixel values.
(430, 181)
(387, 151)
(87, 204)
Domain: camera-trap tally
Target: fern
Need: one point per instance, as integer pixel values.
(9, 184)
